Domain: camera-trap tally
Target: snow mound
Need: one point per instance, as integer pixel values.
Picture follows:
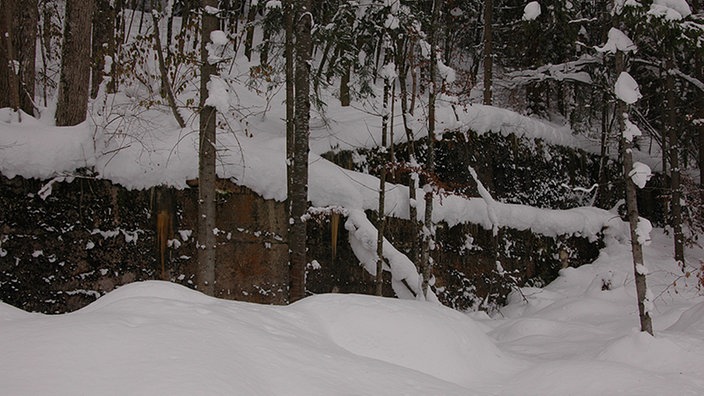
(421, 336)
(643, 350)
(691, 320)
(154, 338)
(36, 150)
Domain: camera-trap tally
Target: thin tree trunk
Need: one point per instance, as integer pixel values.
(410, 138)
(103, 34)
(382, 184)
(488, 51)
(299, 185)
(207, 209)
(249, 38)
(675, 189)
(165, 83)
(289, 52)
(8, 65)
(74, 83)
(426, 260)
(632, 208)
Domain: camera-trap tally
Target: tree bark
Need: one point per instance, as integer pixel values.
(8, 61)
(249, 38)
(381, 226)
(25, 50)
(165, 83)
(426, 247)
(207, 210)
(74, 83)
(675, 188)
(488, 51)
(103, 42)
(299, 185)
(632, 208)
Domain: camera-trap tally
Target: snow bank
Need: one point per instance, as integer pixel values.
(424, 337)
(32, 148)
(160, 338)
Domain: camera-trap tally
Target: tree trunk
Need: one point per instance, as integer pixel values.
(488, 51)
(167, 91)
(632, 208)
(382, 183)
(103, 42)
(249, 38)
(428, 228)
(74, 82)
(25, 43)
(207, 210)
(8, 65)
(675, 189)
(299, 185)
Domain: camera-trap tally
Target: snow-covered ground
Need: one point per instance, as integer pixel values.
(570, 338)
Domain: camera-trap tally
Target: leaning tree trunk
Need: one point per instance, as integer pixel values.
(207, 210)
(632, 208)
(74, 83)
(299, 184)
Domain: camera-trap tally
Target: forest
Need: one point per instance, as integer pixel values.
(528, 175)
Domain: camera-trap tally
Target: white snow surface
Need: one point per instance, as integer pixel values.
(640, 174)
(576, 337)
(531, 11)
(617, 41)
(626, 88)
(672, 10)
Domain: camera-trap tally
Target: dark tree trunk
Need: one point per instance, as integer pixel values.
(248, 41)
(299, 184)
(18, 26)
(488, 51)
(207, 210)
(103, 42)
(675, 189)
(426, 260)
(381, 225)
(166, 89)
(25, 43)
(74, 82)
(8, 67)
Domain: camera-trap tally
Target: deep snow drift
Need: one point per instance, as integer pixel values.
(577, 336)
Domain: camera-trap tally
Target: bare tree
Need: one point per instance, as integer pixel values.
(488, 50)
(632, 208)
(426, 260)
(207, 210)
(19, 29)
(74, 83)
(298, 194)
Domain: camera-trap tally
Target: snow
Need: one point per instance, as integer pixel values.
(218, 37)
(640, 174)
(531, 11)
(572, 337)
(218, 94)
(617, 41)
(626, 88)
(631, 131)
(576, 336)
(671, 10)
(643, 231)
